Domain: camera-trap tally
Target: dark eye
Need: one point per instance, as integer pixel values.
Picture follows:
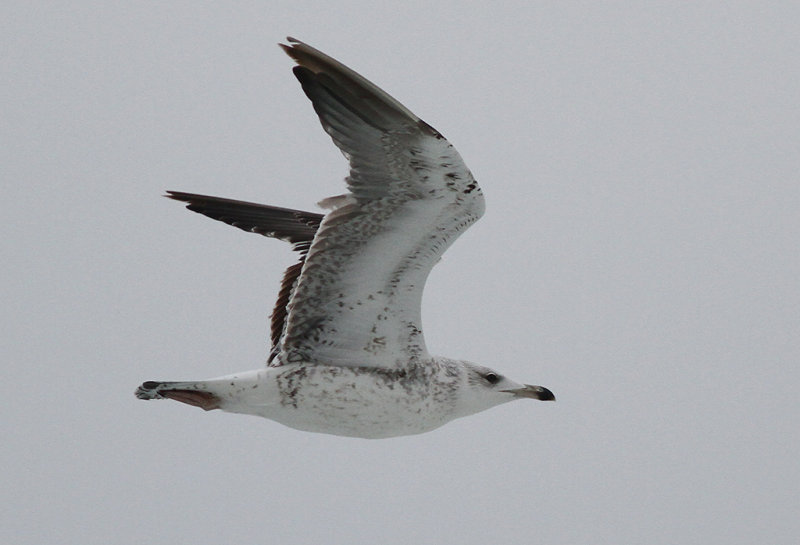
(492, 378)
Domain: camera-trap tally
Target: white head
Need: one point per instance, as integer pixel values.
(483, 388)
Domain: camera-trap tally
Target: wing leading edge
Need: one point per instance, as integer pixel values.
(354, 297)
(357, 300)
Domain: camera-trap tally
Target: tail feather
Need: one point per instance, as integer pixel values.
(185, 392)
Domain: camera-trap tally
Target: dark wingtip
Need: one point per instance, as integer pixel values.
(178, 195)
(302, 73)
(291, 48)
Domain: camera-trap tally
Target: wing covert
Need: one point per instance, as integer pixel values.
(357, 300)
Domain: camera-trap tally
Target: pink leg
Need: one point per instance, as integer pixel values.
(204, 400)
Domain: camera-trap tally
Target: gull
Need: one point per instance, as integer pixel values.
(348, 354)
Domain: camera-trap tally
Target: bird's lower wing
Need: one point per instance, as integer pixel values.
(295, 226)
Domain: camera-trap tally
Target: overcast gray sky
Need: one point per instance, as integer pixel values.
(639, 256)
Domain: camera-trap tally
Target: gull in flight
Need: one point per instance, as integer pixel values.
(348, 354)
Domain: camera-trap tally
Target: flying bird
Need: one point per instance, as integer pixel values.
(348, 354)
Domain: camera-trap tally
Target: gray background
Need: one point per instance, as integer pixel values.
(639, 256)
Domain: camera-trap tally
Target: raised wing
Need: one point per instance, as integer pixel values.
(357, 301)
(295, 226)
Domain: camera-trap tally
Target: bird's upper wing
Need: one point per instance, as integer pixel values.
(295, 226)
(357, 300)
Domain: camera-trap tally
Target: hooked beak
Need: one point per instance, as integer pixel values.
(534, 392)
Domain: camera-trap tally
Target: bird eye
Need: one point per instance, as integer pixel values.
(492, 378)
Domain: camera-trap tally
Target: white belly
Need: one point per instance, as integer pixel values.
(346, 401)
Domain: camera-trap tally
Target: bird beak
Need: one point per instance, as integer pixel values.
(534, 392)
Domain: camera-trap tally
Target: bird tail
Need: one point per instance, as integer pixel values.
(191, 393)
